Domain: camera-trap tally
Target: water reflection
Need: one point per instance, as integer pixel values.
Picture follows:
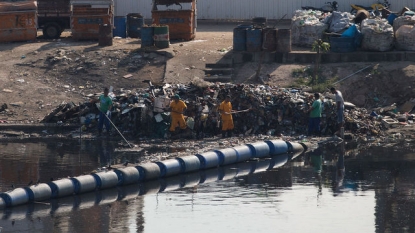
(379, 183)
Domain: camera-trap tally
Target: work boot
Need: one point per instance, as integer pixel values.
(229, 133)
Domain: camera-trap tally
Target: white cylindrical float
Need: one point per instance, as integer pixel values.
(149, 171)
(189, 163)
(259, 149)
(84, 184)
(169, 167)
(227, 156)
(278, 161)
(15, 197)
(208, 159)
(105, 180)
(127, 175)
(39, 192)
(62, 188)
(244, 153)
(277, 147)
(297, 147)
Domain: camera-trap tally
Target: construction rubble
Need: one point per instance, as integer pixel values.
(260, 110)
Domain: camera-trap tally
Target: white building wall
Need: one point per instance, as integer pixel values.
(247, 9)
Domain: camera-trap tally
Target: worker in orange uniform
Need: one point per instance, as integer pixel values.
(177, 108)
(225, 109)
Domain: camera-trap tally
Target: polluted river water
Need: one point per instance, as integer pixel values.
(333, 188)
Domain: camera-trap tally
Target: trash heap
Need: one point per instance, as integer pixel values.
(261, 110)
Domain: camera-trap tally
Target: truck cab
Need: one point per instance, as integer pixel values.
(53, 17)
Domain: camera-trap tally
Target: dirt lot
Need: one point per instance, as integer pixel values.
(37, 76)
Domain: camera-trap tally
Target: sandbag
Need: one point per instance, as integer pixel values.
(306, 28)
(402, 20)
(377, 35)
(405, 38)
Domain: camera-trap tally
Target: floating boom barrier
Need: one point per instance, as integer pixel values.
(278, 150)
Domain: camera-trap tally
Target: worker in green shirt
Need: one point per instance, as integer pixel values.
(105, 104)
(315, 116)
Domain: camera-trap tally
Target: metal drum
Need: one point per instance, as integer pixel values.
(105, 35)
(253, 40)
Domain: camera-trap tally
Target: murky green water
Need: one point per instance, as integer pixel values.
(368, 191)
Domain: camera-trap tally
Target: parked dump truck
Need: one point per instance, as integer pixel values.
(53, 17)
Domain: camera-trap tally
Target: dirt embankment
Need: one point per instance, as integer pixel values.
(38, 76)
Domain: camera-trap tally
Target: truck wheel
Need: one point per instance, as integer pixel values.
(52, 31)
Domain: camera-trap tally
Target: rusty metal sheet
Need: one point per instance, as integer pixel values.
(181, 23)
(18, 6)
(86, 27)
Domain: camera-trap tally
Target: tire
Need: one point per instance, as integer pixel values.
(52, 31)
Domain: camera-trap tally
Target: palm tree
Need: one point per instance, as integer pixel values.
(318, 46)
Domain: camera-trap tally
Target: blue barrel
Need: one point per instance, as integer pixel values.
(120, 26)
(39, 192)
(147, 38)
(239, 39)
(189, 163)
(169, 167)
(277, 147)
(106, 179)
(62, 188)
(278, 161)
(134, 24)
(127, 175)
(244, 153)
(208, 159)
(149, 171)
(342, 44)
(253, 40)
(15, 197)
(227, 156)
(84, 184)
(391, 18)
(259, 149)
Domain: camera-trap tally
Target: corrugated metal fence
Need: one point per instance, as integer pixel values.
(247, 9)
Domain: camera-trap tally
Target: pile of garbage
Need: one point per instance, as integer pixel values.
(378, 33)
(259, 110)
